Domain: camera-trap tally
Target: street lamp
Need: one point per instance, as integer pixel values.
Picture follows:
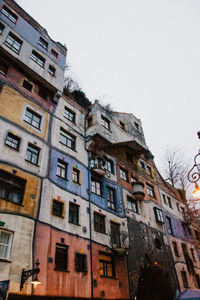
(194, 173)
(28, 273)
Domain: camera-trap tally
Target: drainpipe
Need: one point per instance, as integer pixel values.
(89, 198)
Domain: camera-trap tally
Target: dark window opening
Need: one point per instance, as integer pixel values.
(13, 42)
(115, 234)
(61, 257)
(129, 156)
(169, 225)
(11, 187)
(1, 28)
(99, 223)
(54, 53)
(184, 279)
(105, 122)
(52, 70)
(37, 58)
(9, 14)
(27, 85)
(110, 197)
(3, 68)
(43, 43)
(122, 125)
(43, 93)
(57, 209)
(158, 243)
(12, 141)
(81, 262)
(175, 247)
(74, 213)
(106, 265)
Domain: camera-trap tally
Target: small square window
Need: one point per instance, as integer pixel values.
(136, 125)
(27, 85)
(132, 204)
(9, 14)
(32, 154)
(67, 139)
(61, 257)
(13, 42)
(73, 213)
(32, 118)
(61, 169)
(158, 215)
(43, 43)
(37, 58)
(69, 114)
(1, 28)
(3, 68)
(123, 174)
(52, 70)
(57, 209)
(5, 244)
(150, 190)
(12, 141)
(81, 262)
(76, 175)
(99, 223)
(54, 53)
(105, 122)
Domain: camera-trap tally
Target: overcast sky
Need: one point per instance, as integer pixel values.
(141, 56)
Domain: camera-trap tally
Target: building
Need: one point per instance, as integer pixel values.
(79, 190)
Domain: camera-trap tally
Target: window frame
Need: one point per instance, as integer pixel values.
(158, 215)
(69, 114)
(70, 140)
(99, 223)
(96, 186)
(58, 212)
(12, 41)
(175, 248)
(111, 198)
(105, 122)
(32, 154)
(108, 166)
(76, 175)
(26, 81)
(61, 166)
(150, 190)
(169, 225)
(123, 174)
(115, 234)
(54, 53)
(43, 43)
(32, 118)
(9, 14)
(81, 262)
(131, 207)
(13, 137)
(105, 263)
(37, 58)
(8, 245)
(73, 213)
(52, 70)
(10, 184)
(63, 265)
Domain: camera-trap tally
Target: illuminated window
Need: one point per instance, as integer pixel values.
(106, 265)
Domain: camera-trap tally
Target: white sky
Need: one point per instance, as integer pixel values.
(141, 56)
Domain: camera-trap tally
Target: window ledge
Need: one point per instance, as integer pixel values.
(32, 125)
(32, 163)
(11, 147)
(5, 260)
(77, 183)
(74, 223)
(62, 178)
(67, 146)
(61, 270)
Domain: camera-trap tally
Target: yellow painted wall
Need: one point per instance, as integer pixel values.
(12, 106)
(29, 205)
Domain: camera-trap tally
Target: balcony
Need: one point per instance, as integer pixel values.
(97, 166)
(138, 190)
(119, 242)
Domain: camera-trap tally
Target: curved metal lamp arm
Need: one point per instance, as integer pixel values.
(194, 175)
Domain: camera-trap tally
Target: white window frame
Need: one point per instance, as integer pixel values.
(7, 257)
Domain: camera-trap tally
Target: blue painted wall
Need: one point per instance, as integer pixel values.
(32, 36)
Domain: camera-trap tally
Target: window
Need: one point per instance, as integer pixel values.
(75, 175)
(158, 243)
(197, 280)
(110, 197)
(105, 122)
(183, 210)
(150, 190)
(178, 207)
(132, 204)
(43, 93)
(106, 265)
(164, 198)
(170, 202)
(123, 174)
(193, 256)
(67, 139)
(3, 68)
(69, 114)
(61, 169)
(36, 57)
(169, 225)
(73, 213)
(96, 186)
(136, 125)
(32, 118)
(54, 53)
(133, 180)
(13, 42)
(81, 262)
(61, 257)
(12, 141)
(142, 165)
(184, 279)
(27, 85)
(9, 14)
(122, 125)
(94, 163)
(129, 157)
(108, 166)
(43, 43)
(99, 223)
(115, 234)
(52, 70)
(57, 209)
(11, 187)
(158, 215)
(149, 172)
(5, 244)
(175, 247)
(32, 154)
(1, 28)
(184, 248)
(89, 121)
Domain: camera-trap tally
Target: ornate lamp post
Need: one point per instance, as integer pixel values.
(194, 173)
(28, 273)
